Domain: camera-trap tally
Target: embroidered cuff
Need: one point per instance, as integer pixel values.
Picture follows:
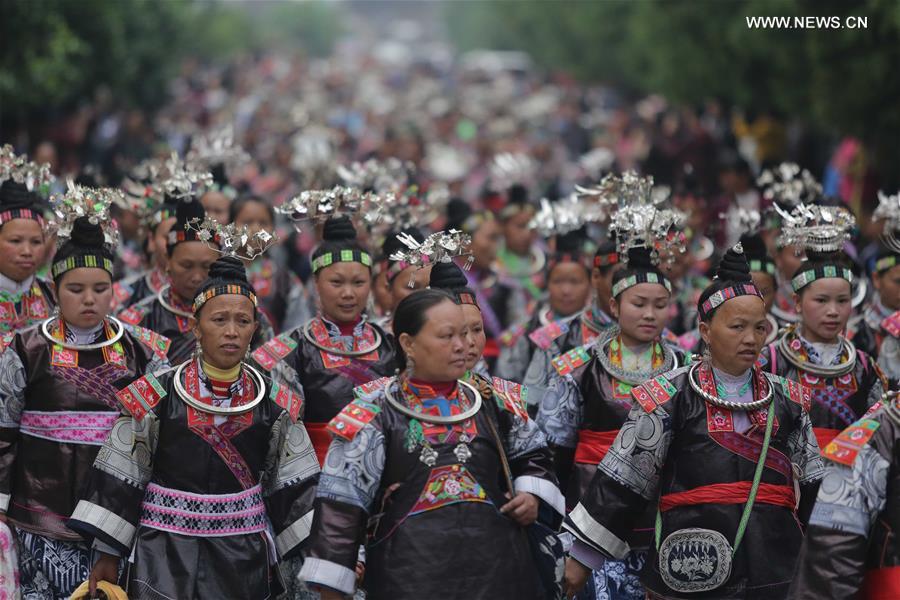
(100, 546)
(591, 532)
(317, 571)
(298, 531)
(105, 521)
(543, 489)
(587, 555)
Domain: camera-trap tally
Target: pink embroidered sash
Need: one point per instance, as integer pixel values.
(203, 515)
(69, 426)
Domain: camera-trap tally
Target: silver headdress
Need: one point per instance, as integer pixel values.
(391, 175)
(314, 156)
(178, 178)
(565, 215)
(747, 221)
(21, 170)
(82, 201)
(442, 246)
(318, 205)
(816, 228)
(889, 210)
(217, 147)
(597, 162)
(643, 217)
(788, 185)
(229, 240)
(509, 169)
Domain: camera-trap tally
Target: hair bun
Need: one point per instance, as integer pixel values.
(754, 246)
(188, 210)
(16, 195)
(458, 210)
(734, 266)
(228, 268)
(447, 275)
(86, 234)
(640, 258)
(338, 229)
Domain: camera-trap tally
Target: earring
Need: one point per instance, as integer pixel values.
(410, 366)
(706, 355)
(198, 351)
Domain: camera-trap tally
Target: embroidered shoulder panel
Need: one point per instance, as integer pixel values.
(274, 351)
(5, 340)
(567, 362)
(367, 389)
(287, 398)
(509, 337)
(141, 396)
(158, 343)
(891, 325)
(134, 314)
(511, 396)
(799, 394)
(354, 417)
(846, 446)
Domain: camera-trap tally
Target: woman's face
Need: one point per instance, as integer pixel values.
(438, 352)
(224, 328)
(736, 333)
(602, 284)
(569, 288)
(399, 286)
(156, 245)
(485, 242)
(188, 268)
(476, 338)
(824, 306)
(642, 312)
(788, 259)
(255, 216)
(888, 285)
(22, 248)
(84, 295)
(517, 235)
(343, 289)
(382, 292)
(216, 205)
(766, 285)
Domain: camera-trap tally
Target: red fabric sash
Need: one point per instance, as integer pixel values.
(320, 438)
(882, 584)
(824, 436)
(730, 493)
(593, 445)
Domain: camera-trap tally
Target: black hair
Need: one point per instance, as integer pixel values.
(569, 249)
(338, 234)
(733, 270)
(86, 240)
(227, 270)
(409, 316)
(237, 205)
(639, 265)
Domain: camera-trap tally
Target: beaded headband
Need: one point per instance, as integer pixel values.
(91, 261)
(806, 277)
(885, 263)
(762, 266)
(567, 257)
(21, 213)
(221, 290)
(606, 260)
(643, 277)
(724, 295)
(466, 298)
(338, 256)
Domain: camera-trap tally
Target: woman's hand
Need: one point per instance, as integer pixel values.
(575, 577)
(105, 569)
(360, 572)
(523, 508)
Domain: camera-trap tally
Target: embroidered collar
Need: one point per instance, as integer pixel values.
(12, 291)
(876, 312)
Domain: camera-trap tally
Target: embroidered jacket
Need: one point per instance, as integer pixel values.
(680, 450)
(156, 490)
(20, 311)
(433, 520)
(57, 406)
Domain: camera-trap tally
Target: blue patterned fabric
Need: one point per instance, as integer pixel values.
(617, 580)
(50, 569)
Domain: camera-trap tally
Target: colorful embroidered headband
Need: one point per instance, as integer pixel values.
(885, 263)
(803, 279)
(21, 213)
(633, 280)
(466, 298)
(221, 290)
(567, 257)
(176, 236)
(91, 261)
(338, 256)
(606, 260)
(724, 295)
(762, 266)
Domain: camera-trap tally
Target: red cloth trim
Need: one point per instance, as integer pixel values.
(347, 328)
(882, 584)
(730, 493)
(439, 388)
(593, 445)
(491, 348)
(320, 438)
(824, 436)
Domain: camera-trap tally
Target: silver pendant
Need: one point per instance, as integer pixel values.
(462, 453)
(428, 455)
